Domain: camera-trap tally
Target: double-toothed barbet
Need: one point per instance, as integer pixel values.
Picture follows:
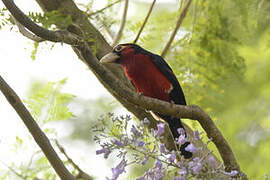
(152, 77)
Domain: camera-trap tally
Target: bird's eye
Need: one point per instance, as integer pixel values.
(118, 48)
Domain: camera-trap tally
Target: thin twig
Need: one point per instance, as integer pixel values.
(145, 21)
(26, 33)
(39, 136)
(105, 28)
(103, 9)
(14, 171)
(178, 23)
(122, 25)
(82, 174)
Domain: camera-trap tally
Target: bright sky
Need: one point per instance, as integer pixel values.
(18, 69)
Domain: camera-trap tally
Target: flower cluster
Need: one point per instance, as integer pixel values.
(135, 145)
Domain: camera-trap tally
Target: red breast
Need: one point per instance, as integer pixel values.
(145, 75)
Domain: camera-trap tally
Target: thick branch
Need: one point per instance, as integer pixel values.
(178, 23)
(145, 21)
(40, 138)
(54, 36)
(122, 25)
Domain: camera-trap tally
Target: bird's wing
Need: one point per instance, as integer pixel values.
(176, 95)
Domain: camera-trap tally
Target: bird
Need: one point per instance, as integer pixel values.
(152, 77)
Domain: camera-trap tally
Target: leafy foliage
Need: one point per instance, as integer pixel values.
(52, 18)
(4, 18)
(48, 103)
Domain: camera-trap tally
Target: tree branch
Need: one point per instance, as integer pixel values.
(145, 21)
(54, 36)
(40, 138)
(122, 25)
(178, 23)
(81, 174)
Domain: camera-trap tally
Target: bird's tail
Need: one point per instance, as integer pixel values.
(175, 124)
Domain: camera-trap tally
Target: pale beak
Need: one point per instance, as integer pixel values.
(109, 58)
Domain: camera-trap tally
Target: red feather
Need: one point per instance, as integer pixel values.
(145, 76)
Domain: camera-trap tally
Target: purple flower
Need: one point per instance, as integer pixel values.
(178, 178)
(140, 143)
(158, 175)
(182, 172)
(197, 134)
(161, 128)
(181, 131)
(118, 143)
(104, 151)
(196, 159)
(162, 148)
(181, 139)
(191, 148)
(211, 161)
(158, 165)
(232, 173)
(172, 157)
(106, 154)
(179, 164)
(135, 131)
(197, 167)
(144, 161)
(101, 151)
(119, 169)
(154, 174)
